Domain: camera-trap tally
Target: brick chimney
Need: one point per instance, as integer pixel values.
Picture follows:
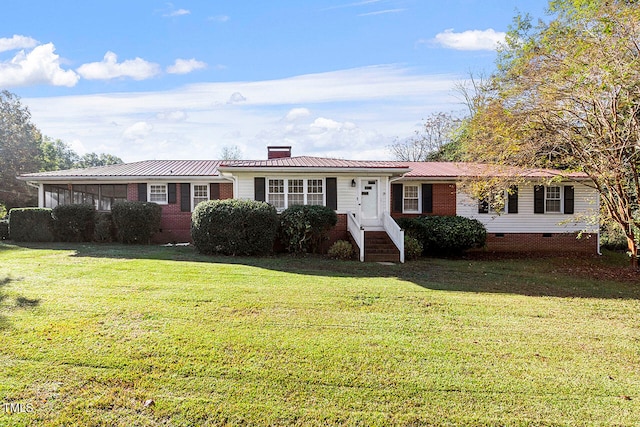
(279, 152)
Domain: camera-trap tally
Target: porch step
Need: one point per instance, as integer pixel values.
(378, 247)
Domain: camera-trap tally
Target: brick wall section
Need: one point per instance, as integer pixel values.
(175, 225)
(537, 242)
(444, 202)
(339, 232)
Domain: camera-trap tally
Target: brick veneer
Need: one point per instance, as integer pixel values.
(542, 242)
(175, 225)
(444, 202)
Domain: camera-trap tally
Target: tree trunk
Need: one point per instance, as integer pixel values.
(633, 251)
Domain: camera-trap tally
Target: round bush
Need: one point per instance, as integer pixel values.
(30, 225)
(305, 227)
(136, 222)
(412, 248)
(73, 223)
(234, 227)
(105, 230)
(341, 250)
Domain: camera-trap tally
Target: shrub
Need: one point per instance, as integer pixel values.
(234, 227)
(412, 248)
(341, 250)
(30, 225)
(3, 211)
(445, 235)
(105, 230)
(4, 229)
(304, 228)
(612, 236)
(136, 222)
(73, 223)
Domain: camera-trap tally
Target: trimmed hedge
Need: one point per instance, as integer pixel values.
(305, 227)
(104, 230)
(234, 227)
(445, 235)
(412, 248)
(136, 222)
(30, 225)
(73, 223)
(4, 229)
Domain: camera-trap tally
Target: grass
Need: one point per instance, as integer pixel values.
(89, 333)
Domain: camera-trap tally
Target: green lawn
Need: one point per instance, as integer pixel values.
(88, 333)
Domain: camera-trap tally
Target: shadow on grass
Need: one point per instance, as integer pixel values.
(19, 302)
(563, 277)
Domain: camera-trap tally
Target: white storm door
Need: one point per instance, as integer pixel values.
(369, 200)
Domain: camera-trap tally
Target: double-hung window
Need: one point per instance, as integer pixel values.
(410, 200)
(552, 199)
(285, 192)
(158, 193)
(200, 194)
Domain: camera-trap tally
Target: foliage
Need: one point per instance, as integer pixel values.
(305, 227)
(93, 159)
(612, 237)
(105, 230)
(73, 223)
(412, 248)
(56, 155)
(3, 211)
(4, 229)
(342, 250)
(230, 153)
(19, 151)
(566, 96)
(136, 222)
(445, 235)
(30, 225)
(234, 227)
(435, 136)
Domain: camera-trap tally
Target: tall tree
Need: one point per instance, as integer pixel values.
(567, 95)
(93, 159)
(230, 153)
(56, 155)
(19, 151)
(435, 136)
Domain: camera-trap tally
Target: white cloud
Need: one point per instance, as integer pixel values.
(382, 12)
(109, 68)
(235, 98)
(219, 18)
(17, 42)
(177, 12)
(185, 66)
(470, 39)
(40, 66)
(297, 113)
(352, 114)
(138, 130)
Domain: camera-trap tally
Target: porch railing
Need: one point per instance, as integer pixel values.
(357, 232)
(395, 233)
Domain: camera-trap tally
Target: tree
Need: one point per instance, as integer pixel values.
(19, 151)
(93, 159)
(56, 155)
(230, 153)
(435, 136)
(567, 95)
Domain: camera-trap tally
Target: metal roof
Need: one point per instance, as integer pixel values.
(159, 168)
(312, 162)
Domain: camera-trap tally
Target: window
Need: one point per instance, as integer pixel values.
(315, 193)
(552, 199)
(200, 194)
(299, 191)
(102, 196)
(158, 193)
(410, 200)
(276, 193)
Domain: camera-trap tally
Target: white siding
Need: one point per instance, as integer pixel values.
(525, 221)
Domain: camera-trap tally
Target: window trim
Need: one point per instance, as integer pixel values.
(305, 190)
(166, 193)
(418, 198)
(192, 196)
(560, 199)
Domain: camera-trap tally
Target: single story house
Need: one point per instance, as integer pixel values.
(366, 195)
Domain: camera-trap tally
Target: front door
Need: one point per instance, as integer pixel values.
(369, 205)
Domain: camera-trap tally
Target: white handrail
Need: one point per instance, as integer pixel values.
(357, 232)
(395, 233)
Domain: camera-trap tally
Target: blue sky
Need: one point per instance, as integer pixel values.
(181, 80)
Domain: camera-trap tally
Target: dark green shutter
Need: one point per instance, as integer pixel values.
(396, 190)
(568, 199)
(142, 192)
(538, 199)
(259, 189)
(185, 197)
(427, 198)
(512, 200)
(332, 193)
(214, 191)
(171, 193)
(483, 206)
